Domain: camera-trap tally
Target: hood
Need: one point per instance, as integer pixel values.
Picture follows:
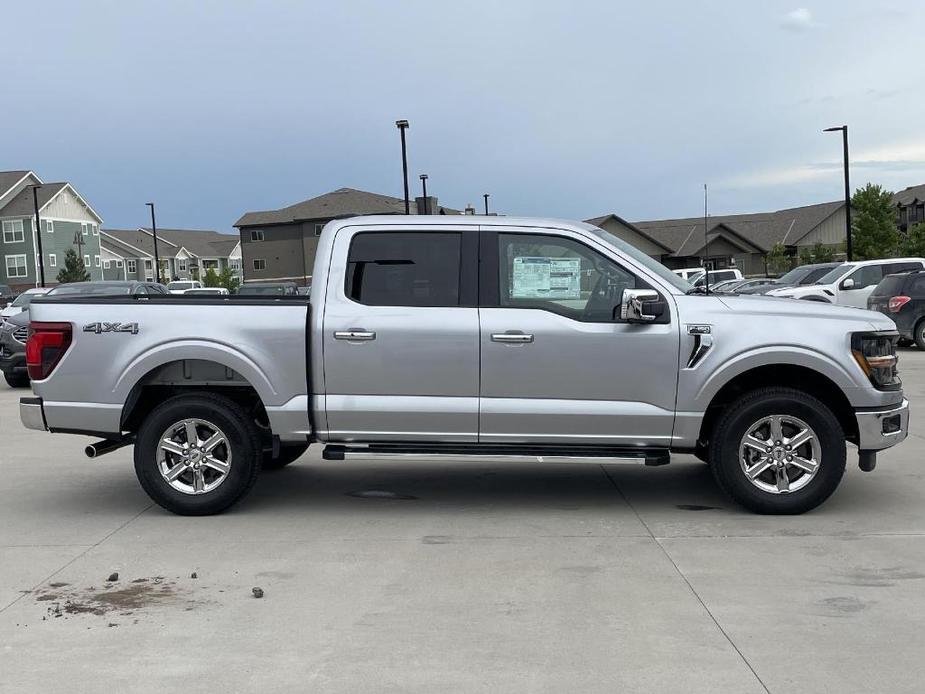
(20, 320)
(804, 290)
(796, 309)
(9, 311)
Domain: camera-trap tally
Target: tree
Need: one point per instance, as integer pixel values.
(225, 278)
(913, 244)
(73, 270)
(210, 279)
(777, 259)
(873, 228)
(823, 253)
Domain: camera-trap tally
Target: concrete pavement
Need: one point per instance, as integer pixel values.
(482, 577)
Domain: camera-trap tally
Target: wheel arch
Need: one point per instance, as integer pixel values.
(794, 376)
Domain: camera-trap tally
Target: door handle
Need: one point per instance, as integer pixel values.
(512, 338)
(355, 335)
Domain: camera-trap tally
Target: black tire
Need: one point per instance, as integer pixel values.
(288, 453)
(919, 334)
(243, 443)
(14, 380)
(735, 422)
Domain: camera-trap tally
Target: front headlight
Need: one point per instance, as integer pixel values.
(875, 353)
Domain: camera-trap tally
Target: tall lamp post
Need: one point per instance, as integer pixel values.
(423, 178)
(844, 132)
(157, 259)
(38, 234)
(486, 196)
(402, 126)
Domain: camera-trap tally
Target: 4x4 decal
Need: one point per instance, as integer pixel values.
(99, 328)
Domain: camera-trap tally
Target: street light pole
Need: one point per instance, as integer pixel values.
(38, 234)
(157, 259)
(844, 132)
(486, 196)
(402, 126)
(423, 178)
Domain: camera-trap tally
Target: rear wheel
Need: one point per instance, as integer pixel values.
(288, 453)
(919, 334)
(16, 380)
(197, 454)
(778, 451)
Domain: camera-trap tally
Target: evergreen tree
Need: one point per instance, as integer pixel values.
(873, 225)
(73, 270)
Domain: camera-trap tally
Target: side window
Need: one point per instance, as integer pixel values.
(140, 289)
(404, 268)
(558, 274)
(917, 286)
(866, 276)
(900, 267)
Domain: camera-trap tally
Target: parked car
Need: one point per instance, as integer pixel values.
(13, 334)
(183, 286)
(743, 286)
(569, 343)
(7, 295)
(688, 272)
(207, 291)
(902, 298)
(716, 276)
(798, 276)
(21, 303)
(850, 284)
(269, 289)
(724, 285)
(108, 288)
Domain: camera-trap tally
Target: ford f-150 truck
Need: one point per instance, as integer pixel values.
(470, 336)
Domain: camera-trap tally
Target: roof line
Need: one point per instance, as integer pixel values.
(127, 245)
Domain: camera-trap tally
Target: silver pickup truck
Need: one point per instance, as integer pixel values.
(471, 336)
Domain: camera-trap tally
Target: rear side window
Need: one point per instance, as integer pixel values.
(916, 287)
(900, 267)
(890, 286)
(404, 268)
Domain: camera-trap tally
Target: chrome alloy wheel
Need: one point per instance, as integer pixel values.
(780, 454)
(194, 456)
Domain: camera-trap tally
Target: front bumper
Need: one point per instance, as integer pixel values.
(883, 427)
(32, 414)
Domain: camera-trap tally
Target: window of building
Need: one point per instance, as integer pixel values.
(16, 266)
(84, 228)
(560, 275)
(50, 226)
(118, 263)
(96, 260)
(182, 264)
(52, 260)
(404, 269)
(86, 261)
(234, 263)
(260, 264)
(13, 231)
(106, 265)
(256, 234)
(131, 266)
(96, 229)
(318, 229)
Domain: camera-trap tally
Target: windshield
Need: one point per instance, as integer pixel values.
(25, 299)
(89, 288)
(796, 275)
(833, 275)
(655, 267)
(180, 285)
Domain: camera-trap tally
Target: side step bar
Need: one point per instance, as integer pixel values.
(541, 454)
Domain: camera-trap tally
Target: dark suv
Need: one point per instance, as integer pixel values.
(902, 298)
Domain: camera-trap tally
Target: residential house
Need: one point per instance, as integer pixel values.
(910, 207)
(280, 244)
(183, 253)
(67, 222)
(741, 241)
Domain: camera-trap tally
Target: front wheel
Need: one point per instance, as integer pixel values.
(197, 454)
(919, 334)
(16, 380)
(778, 451)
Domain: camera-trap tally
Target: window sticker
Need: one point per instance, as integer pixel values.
(546, 278)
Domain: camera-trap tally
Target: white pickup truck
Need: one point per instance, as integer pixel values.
(470, 336)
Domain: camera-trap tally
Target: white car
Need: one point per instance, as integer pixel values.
(851, 283)
(688, 272)
(22, 302)
(716, 276)
(183, 286)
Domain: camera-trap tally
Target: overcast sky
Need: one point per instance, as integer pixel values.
(569, 109)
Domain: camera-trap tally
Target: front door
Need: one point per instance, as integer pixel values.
(557, 367)
(401, 336)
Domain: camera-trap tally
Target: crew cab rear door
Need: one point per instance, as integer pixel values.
(401, 335)
(556, 367)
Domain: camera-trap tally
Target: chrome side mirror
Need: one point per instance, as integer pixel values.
(848, 284)
(640, 306)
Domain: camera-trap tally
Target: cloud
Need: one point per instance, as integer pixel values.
(798, 20)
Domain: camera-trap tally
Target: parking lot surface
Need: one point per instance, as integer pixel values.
(460, 577)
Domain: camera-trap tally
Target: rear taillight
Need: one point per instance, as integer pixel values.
(897, 302)
(46, 345)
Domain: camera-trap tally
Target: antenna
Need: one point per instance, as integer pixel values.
(706, 244)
